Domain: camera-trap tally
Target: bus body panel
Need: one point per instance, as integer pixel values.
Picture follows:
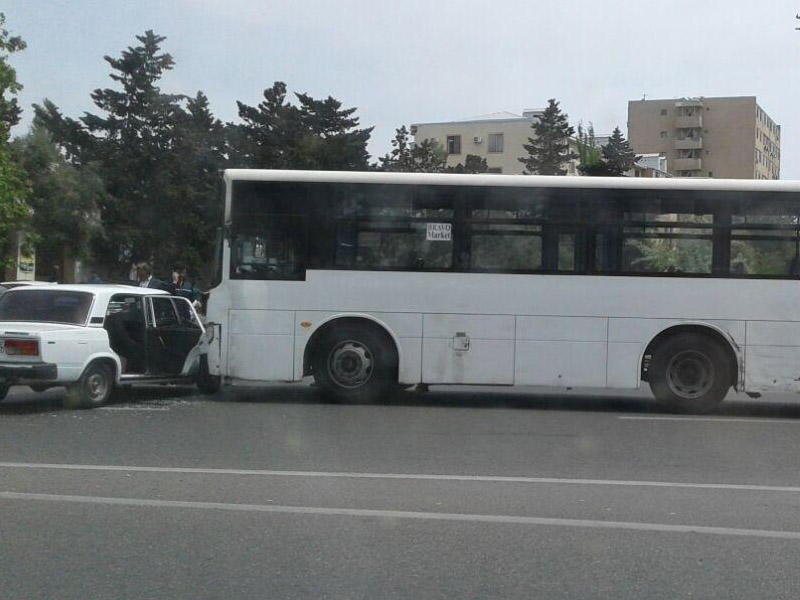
(773, 356)
(524, 349)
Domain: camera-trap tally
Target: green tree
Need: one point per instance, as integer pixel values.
(618, 155)
(548, 149)
(14, 187)
(410, 157)
(314, 134)
(64, 202)
(154, 152)
(472, 164)
(201, 152)
(589, 156)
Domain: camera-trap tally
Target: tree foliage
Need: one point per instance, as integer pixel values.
(472, 164)
(548, 148)
(63, 200)
(411, 157)
(147, 148)
(14, 187)
(314, 134)
(618, 155)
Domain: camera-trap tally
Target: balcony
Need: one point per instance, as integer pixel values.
(688, 144)
(687, 164)
(693, 122)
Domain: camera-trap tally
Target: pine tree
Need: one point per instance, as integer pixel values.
(135, 143)
(548, 149)
(409, 157)
(315, 134)
(618, 154)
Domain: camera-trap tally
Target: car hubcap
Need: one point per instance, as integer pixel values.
(96, 387)
(690, 374)
(350, 364)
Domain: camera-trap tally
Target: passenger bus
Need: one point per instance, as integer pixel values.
(372, 281)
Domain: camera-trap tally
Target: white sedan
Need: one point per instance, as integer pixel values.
(92, 338)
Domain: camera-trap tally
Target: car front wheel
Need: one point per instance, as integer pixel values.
(93, 389)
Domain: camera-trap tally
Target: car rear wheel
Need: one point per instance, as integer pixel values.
(93, 389)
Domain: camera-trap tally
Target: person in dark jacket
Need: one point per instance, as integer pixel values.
(146, 279)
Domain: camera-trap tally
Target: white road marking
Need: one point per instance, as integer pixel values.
(765, 421)
(402, 514)
(404, 476)
(134, 408)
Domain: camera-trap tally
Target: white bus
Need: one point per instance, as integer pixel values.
(371, 281)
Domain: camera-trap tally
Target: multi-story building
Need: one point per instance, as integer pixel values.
(730, 137)
(497, 137)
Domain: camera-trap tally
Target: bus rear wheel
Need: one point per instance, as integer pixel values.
(355, 364)
(690, 372)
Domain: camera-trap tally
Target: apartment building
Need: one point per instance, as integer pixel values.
(497, 137)
(728, 137)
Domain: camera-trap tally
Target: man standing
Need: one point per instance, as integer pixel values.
(145, 276)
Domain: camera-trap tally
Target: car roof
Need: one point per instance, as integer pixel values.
(94, 288)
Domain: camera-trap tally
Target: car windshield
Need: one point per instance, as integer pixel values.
(48, 306)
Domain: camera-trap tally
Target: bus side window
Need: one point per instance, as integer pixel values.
(274, 250)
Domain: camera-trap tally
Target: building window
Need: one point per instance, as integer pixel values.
(663, 112)
(664, 134)
(454, 144)
(495, 142)
(711, 173)
(496, 170)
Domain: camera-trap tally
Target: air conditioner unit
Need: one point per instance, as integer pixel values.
(477, 139)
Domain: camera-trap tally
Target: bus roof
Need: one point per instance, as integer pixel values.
(639, 183)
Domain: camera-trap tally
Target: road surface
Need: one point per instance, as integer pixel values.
(456, 493)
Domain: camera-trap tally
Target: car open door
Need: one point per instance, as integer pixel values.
(174, 333)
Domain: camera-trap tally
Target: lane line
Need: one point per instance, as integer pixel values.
(134, 408)
(402, 514)
(402, 476)
(765, 421)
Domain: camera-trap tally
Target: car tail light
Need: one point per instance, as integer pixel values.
(22, 347)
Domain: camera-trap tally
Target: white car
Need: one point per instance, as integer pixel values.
(92, 338)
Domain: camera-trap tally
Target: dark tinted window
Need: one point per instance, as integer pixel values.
(269, 238)
(164, 312)
(49, 306)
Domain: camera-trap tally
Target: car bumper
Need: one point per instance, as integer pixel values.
(28, 372)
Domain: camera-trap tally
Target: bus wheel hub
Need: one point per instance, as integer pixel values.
(350, 364)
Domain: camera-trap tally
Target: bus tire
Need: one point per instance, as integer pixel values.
(690, 372)
(93, 389)
(355, 364)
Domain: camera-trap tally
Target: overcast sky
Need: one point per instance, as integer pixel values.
(424, 60)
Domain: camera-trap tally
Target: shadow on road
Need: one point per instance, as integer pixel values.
(23, 401)
(784, 407)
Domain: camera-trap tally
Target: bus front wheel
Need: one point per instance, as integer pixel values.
(690, 372)
(355, 364)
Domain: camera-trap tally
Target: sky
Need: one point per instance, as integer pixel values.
(423, 60)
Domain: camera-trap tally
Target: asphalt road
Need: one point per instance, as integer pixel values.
(456, 493)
